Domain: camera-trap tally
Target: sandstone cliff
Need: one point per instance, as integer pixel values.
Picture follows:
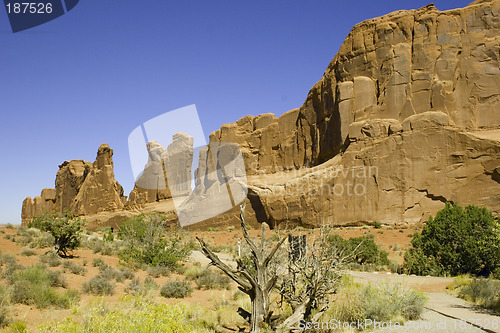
(405, 118)
(397, 117)
(391, 67)
(83, 188)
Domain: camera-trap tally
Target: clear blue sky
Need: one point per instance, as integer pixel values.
(94, 74)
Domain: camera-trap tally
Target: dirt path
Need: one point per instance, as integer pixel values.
(445, 313)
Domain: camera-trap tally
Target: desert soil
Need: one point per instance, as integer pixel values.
(395, 240)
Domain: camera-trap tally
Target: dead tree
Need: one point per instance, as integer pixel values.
(255, 279)
(312, 278)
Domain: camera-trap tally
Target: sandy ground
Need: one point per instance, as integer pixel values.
(392, 239)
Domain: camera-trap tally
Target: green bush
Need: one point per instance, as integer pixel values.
(145, 241)
(65, 229)
(99, 285)
(457, 241)
(176, 289)
(360, 250)
(482, 292)
(34, 285)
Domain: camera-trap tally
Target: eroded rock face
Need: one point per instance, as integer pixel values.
(44, 203)
(404, 119)
(404, 176)
(167, 173)
(391, 67)
(100, 191)
(178, 164)
(69, 179)
(82, 188)
(151, 185)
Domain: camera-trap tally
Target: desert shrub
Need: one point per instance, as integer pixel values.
(495, 274)
(99, 285)
(24, 240)
(98, 262)
(7, 258)
(44, 241)
(457, 241)
(51, 259)
(209, 279)
(38, 274)
(381, 302)
(361, 250)
(133, 316)
(74, 268)
(482, 292)
(137, 288)
(193, 271)
(145, 241)
(34, 285)
(108, 235)
(127, 273)
(386, 301)
(4, 311)
(150, 283)
(157, 271)
(176, 289)
(27, 252)
(18, 327)
(65, 229)
(347, 305)
(100, 246)
(10, 226)
(459, 282)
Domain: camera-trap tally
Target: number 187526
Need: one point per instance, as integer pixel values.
(29, 7)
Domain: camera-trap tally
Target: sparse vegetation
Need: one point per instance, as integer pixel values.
(34, 285)
(176, 289)
(381, 302)
(51, 258)
(28, 252)
(132, 315)
(457, 241)
(482, 292)
(98, 262)
(137, 288)
(99, 285)
(210, 279)
(65, 229)
(74, 268)
(145, 241)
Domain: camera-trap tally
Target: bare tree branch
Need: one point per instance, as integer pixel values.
(222, 266)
